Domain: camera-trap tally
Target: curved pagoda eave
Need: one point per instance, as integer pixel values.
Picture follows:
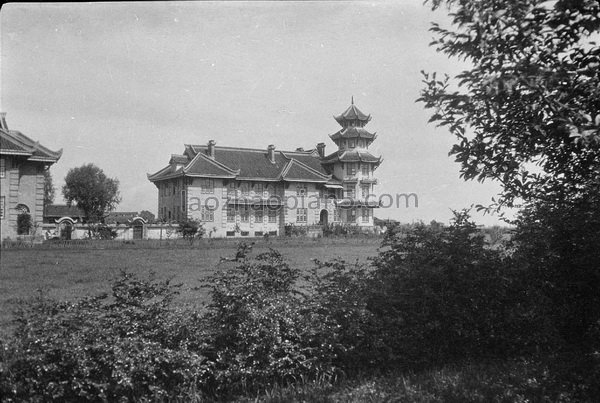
(353, 133)
(352, 114)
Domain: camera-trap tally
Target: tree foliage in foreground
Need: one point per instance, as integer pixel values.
(527, 113)
(94, 192)
(435, 295)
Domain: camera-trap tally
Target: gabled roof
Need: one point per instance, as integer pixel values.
(297, 171)
(352, 113)
(203, 165)
(353, 155)
(245, 164)
(13, 142)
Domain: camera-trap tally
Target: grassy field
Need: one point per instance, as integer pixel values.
(71, 273)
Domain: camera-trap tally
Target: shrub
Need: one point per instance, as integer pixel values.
(338, 294)
(24, 224)
(442, 295)
(295, 230)
(260, 329)
(103, 231)
(128, 345)
(559, 244)
(191, 229)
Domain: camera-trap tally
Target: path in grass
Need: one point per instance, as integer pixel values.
(73, 273)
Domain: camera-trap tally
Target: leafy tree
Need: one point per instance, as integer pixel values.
(148, 216)
(528, 111)
(49, 191)
(527, 114)
(92, 190)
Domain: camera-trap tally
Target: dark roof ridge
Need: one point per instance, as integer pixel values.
(263, 150)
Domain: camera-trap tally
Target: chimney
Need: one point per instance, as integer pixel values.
(321, 149)
(3, 125)
(271, 153)
(211, 149)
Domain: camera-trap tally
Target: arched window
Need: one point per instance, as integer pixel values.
(22, 209)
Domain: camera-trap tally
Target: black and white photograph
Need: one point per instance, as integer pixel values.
(300, 201)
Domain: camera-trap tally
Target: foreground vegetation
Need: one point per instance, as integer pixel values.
(438, 315)
(75, 272)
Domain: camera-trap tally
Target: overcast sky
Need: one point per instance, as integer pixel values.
(125, 85)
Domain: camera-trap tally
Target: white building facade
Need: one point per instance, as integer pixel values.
(243, 192)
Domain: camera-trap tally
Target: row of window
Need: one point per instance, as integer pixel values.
(2, 206)
(352, 168)
(350, 191)
(244, 213)
(256, 233)
(2, 168)
(207, 186)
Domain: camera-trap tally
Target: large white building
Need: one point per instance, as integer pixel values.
(252, 192)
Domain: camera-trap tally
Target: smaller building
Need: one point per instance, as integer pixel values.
(22, 165)
(68, 222)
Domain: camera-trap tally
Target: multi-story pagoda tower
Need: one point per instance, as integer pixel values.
(355, 166)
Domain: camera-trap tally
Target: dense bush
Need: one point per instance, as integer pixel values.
(103, 231)
(295, 230)
(126, 345)
(191, 229)
(434, 295)
(559, 244)
(336, 229)
(442, 295)
(261, 329)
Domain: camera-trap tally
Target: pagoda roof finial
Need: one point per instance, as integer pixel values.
(352, 114)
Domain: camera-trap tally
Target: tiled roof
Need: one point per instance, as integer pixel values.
(6, 146)
(297, 171)
(204, 165)
(353, 155)
(13, 142)
(250, 163)
(61, 210)
(352, 113)
(353, 132)
(247, 164)
(309, 158)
